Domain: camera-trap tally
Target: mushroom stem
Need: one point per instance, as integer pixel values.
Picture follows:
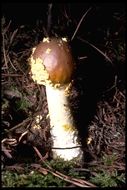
(63, 131)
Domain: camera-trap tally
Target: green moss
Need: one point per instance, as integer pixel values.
(106, 179)
(22, 104)
(33, 179)
(108, 160)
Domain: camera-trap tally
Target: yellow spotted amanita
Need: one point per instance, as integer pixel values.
(52, 65)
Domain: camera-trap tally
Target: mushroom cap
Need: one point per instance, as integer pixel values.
(56, 57)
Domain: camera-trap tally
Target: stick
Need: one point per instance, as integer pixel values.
(49, 20)
(80, 23)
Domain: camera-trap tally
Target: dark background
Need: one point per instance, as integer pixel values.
(27, 13)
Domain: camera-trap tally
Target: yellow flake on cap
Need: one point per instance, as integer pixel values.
(64, 39)
(57, 85)
(48, 50)
(46, 40)
(39, 73)
(33, 50)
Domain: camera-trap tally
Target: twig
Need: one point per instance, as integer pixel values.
(7, 27)
(49, 20)
(11, 63)
(13, 35)
(80, 169)
(11, 142)
(96, 49)
(6, 152)
(66, 147)
(4, 52)
(84, 57)
(22, 135)
(114, 86)
(65, 178)
(88, 184)
(11, 75)
(3, 44)
(19, 125)
(39, 154)
(80, 23)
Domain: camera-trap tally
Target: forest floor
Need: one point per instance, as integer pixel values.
(26, 160)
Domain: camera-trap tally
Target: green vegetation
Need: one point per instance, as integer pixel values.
(32, 179)
(109, 159)
(110, 177)
(37, 175)
(106, 179)
(22, 104)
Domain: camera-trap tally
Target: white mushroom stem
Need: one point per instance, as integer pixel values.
(63, 131)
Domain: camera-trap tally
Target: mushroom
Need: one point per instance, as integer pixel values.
(52, 65)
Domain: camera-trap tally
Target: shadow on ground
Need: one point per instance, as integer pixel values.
(93, 75)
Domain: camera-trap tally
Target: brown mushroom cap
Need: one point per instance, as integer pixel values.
(56, 56)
